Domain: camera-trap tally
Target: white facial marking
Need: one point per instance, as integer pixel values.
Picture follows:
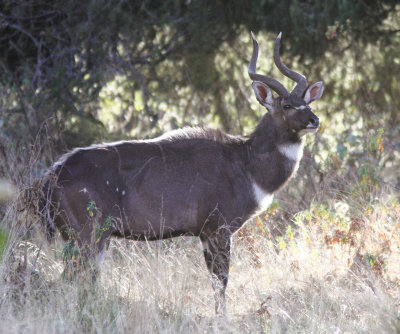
(84, 190)
(117, 189)
(108, 182)
(301, 108)
(263, 198)
(293, 152)
(123, 192)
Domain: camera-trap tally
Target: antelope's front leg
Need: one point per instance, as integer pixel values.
(217, 255)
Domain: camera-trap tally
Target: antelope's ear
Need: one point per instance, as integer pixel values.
(263, 94)
(314, 92)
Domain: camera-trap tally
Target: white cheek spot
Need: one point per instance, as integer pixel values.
(107, 182)
(117, 190)
(301, 108)
(293, 152)
(123, 192)
(263, 198)
(84, 190)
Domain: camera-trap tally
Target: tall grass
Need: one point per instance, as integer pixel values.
(328, 273)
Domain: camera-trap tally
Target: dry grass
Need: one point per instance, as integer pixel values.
(317, 278)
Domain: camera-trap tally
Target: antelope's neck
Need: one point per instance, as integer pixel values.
(272, 164)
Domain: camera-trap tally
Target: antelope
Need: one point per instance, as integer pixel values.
(189, 182)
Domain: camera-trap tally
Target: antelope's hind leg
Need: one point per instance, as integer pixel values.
(81, 257)
(86, 227)
(86, 244)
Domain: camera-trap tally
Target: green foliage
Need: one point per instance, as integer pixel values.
(70, 252)
(106, 226)
(370, 259)
(3, 241)
(92, 208)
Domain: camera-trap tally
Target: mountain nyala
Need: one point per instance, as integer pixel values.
(195, 181)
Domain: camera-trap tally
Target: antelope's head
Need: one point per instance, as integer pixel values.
(291, 108)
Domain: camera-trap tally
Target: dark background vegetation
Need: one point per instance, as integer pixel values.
(74, 73)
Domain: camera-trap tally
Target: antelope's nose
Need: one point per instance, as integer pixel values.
(313, 122)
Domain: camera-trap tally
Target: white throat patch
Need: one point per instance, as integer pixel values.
(293, 152)
(262, 198)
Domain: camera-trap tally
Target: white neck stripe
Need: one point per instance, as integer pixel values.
(293, 152)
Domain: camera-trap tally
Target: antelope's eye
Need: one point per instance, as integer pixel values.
(287, 106)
